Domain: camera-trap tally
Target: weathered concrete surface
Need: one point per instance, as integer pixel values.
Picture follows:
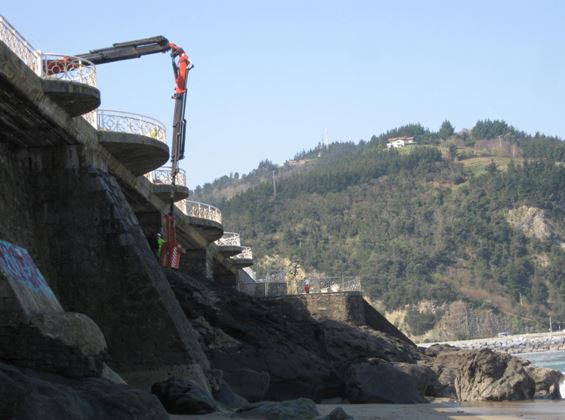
(139, 154)
(75, 98)
(24, 292)
(102, 255)
(164, 192)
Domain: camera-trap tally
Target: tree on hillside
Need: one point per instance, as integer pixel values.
(446, 130)
(488, 129)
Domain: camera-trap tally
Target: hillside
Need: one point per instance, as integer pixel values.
(460, 236)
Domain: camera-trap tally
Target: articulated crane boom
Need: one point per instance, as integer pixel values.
(170, 253)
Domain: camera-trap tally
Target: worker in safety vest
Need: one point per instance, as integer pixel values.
(157, 244)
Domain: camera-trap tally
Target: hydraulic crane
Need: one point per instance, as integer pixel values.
(170, 253)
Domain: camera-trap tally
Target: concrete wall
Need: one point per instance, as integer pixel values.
(103, 266)
(23, 289)
(348, 307)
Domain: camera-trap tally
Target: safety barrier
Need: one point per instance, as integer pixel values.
(127, 122)
(262, 289)
(200, 210)
(49, 66)
(164, 175)
(246, 254)
(68, 68)
(229, 239)
(326, 285)
(19, 46)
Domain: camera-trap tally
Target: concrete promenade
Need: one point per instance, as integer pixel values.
(521, 343)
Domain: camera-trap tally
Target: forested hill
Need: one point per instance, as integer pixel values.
(474, 217)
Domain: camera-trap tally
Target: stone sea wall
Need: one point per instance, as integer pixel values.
(523, 343)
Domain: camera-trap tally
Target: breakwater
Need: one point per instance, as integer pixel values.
(520, 343)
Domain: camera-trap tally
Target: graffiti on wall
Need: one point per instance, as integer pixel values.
(17, 264)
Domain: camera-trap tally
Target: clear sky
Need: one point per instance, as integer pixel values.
(270, 76)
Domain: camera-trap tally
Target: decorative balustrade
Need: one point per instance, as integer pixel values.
(200, 210)
(165, 176)
(19, 46)
(68, 68)
(126, 122)
(246, 254)
(229, 239)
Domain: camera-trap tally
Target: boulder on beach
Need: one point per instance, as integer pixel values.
(488, 376)
(182, 396)
(547, 382)
(299, 409)
(379, 381)
(27, 394)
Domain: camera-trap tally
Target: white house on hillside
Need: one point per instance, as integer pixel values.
(397, 142)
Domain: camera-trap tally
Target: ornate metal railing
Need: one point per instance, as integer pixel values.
(68, 68)
(229, 239)
(200, 210)
(245, 254)
(164, 176)
(126, 122)
(19, 46)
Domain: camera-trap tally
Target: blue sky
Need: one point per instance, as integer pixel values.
(270, 76)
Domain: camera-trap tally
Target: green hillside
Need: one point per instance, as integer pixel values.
(475, 216)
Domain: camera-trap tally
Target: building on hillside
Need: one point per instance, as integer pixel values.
(397, 142)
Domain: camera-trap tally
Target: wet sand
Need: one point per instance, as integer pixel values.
(539, 409)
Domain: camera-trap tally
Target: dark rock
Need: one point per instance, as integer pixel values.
(337, 414)
(299, 409)
(379, 381)
(182, 396)
(424, 377)
(248, 383)
(547, 382)
(226, 396)
(29, 395)
(304, 357)
(488, 376)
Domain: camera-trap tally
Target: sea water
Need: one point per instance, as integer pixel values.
(548, 359)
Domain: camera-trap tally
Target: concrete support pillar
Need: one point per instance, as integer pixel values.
(195, 262)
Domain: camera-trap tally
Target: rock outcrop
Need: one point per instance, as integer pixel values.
(484, 375)
(26, 394)
(302, 357)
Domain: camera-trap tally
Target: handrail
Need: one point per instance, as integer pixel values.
(19, 46)
(246, 254)
(200, 210)
(164, 176)
(229, 239)
(68, 68)
(127, 122)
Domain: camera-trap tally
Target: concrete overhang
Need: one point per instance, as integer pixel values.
(209, 229)
(139, 154)
(230, 250)
(242, 262)
(75, 98)
(163, 191)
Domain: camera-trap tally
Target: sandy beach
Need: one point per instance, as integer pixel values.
(539, 409)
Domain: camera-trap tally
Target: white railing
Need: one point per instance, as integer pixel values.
(164, 176)
(229, 239)
(246, 254)
(19, 46)
(68, 68)
(200, 210)
(126, 122)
